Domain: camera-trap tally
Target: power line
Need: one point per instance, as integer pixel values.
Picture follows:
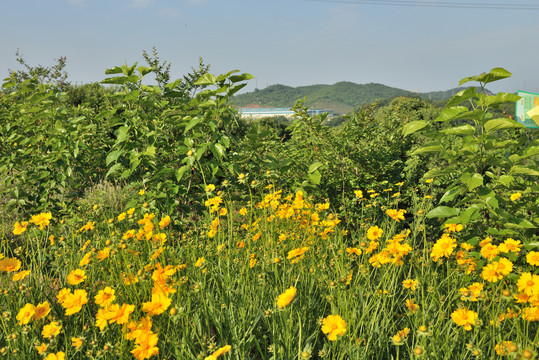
(436, 4)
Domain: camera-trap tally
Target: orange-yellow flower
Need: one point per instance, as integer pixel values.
(160, 302)
(120, 314)
(105, 297)
(533, 258)
(76, 277)
(19, 228)
(73, 302)
(333, 326)
(10, 264)
(26, 313)
(51, 330)
(20, 275)
(58, 356)
(42, 310)
(374, 233)
(464, 317)
(76, 342)
(42, 220)
(286, 298)
(395, 214)
(218, 352)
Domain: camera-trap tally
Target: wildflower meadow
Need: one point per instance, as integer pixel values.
(154, 227)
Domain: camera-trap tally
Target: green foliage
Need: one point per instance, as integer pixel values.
(487, 160)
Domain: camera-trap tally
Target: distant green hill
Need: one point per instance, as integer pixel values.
(342, 97)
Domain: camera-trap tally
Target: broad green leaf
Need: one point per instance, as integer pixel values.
(220, 149)
(114, 70)
(506, 180)
(192, 124)
(470, 214)
(450, 113)
(181, 171)
(314, 166)
(492, 202)
(413, 126)
(472, 180)
(122, 134)
(206, 79)
(113, 156)
(127, 173)
(143, 70)
(460, 130)
(428, 149)
(118, 80)
(450, 195)
(242, 77)
(494, 75)
(524, 170)
(150, 151)
(443, 212)
(113, 169)
(200, 151)
(437, 172)
(500, 124)
(501, 98)
(314, 178)
(461, 96)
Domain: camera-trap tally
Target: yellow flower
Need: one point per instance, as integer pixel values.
(490, 251)
(333, 326)
(51, 330)
(41, 348)
(443, 247)
(428, 181)
(490, 273)
(58, 356)
(218, 352)
(510, 245)
(464, 317)
(85, 259)
(73, 302)
(76, 277)
(210, 188)
(145, 346)
(10, 264)
(164, 222)
(395, 214)
(122, 216)
(353, 251)
(120, 314)
(533, 258)
(160, 302)
(410, 284)
(76, 342)
(26, 313)
(286, 298)
(374, 233)
(515, 196)
(103, 254)
(42, 310)
(20, 227)
(20, 275)
(358, 193)
(528, 283)
(141, 192)
(411, 305)
(42, 220)
(243, 211)
(200, 262)
(105, 297)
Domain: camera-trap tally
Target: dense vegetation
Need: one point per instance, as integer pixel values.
(150, 221)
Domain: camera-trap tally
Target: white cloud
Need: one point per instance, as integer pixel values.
(170, 13)
(141, 4)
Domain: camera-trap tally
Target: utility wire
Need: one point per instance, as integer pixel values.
(439, 4)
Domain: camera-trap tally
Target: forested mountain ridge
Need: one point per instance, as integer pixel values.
(342, 97)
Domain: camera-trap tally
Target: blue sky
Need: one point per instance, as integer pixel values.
(290, 42)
